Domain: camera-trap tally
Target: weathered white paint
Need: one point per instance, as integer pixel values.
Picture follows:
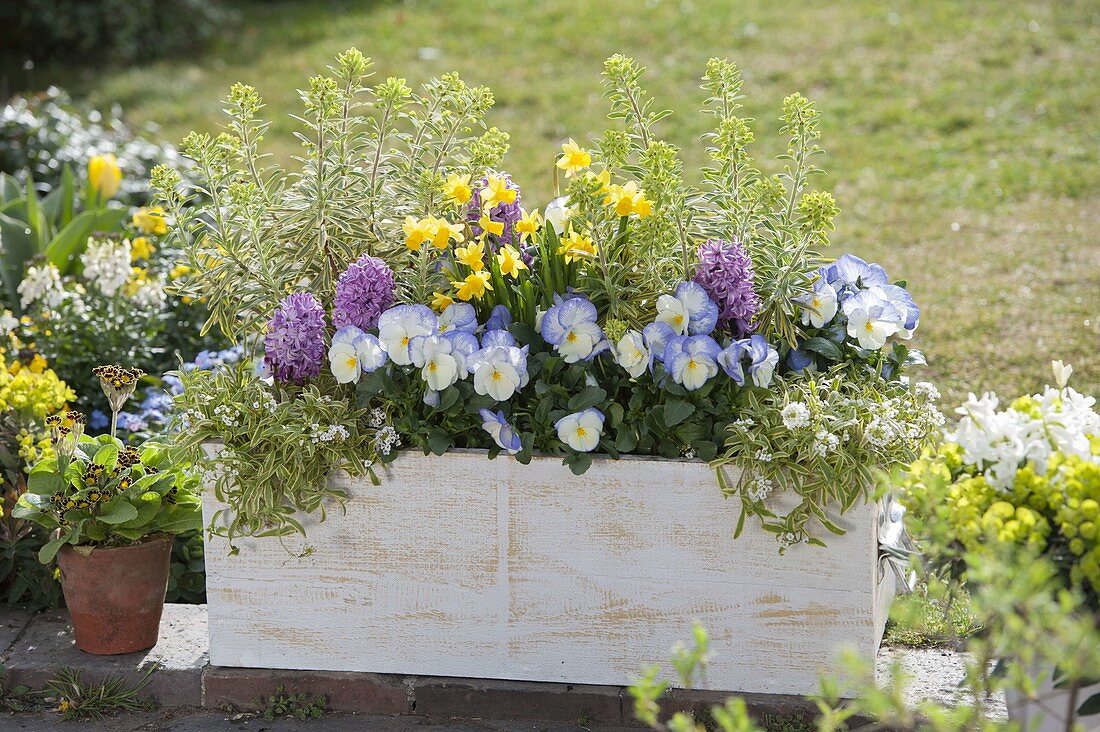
(460, 566)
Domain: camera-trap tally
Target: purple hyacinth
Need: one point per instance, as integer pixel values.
(294, 347)
(363, 292)
(725, 272)
(504, 213)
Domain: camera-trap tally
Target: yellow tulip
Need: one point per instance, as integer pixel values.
(104, 175)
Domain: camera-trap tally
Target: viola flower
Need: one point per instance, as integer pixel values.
(763, 360)
(574, 158)
(363, 291)
(399, 325)
(500, 372)
(871, 318)
(473, 287)
(492, 338)
(510, 262)
(657, 336)
(849, 274)
(691, 361)
(503, 434)
(581, 430)
(463, 347)
(499, 319)
(294, 345)
(570, 326)
(819, 306)
(908, 312)
(632, 354)
(370, 352)
(433, 355)
(495, 207)
(689, 311)
(726, 273)
(460, 317)
(730, 359)
(343, 354)
(457, 189)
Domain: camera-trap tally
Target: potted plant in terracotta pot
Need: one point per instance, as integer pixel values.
(114, 509)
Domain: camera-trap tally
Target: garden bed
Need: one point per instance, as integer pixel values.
(459, 566)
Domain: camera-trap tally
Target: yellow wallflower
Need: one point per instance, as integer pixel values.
(417, 231)
(441, 301)
(140, 248)
(445, 232)
(457, 189)
(628, 199)
(151, 220)
(528, 224)
(576, 246)
(496, 191)
(574, 158)
(489, 226)
(474, 286)
(472, 256)
(104, 175)
(180, 270)
(510, 262)
(37, 364)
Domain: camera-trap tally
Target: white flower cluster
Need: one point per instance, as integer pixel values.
(41, 284)
(386, 440)
(377, 417)
(760, 488)
(107, 264)
(999, 441)
(332, 433)
(825, 442)
(151, 293)
(227, 415)
(796, 415)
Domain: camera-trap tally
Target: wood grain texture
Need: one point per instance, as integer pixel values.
(460, 566)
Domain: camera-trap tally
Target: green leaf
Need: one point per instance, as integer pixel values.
(107, 456)
(45, 482)
(15, 236)
(448, 398)
(626, 440)
(578, 462)
(676, 411)
(824, 347)
(587, 397)
(147, 507)
(118, 510)
(1090, 706)
(49, 551)
(439, 441)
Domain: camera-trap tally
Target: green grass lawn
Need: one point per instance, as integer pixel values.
(963, 137)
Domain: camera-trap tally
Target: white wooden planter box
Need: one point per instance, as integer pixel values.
(461, 566)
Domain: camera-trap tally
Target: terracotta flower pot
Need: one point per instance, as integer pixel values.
(116, 594)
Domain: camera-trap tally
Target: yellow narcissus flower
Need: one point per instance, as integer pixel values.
(496, 191)
(628, 199)
(574, 158)
(441, 301)
(510, 262)
(457, 189)
(576, 246)
(496, 228)
(104, 175)
(150, 220)
(528, 224)
(445, 232)
(417, 231)
(472, 256)
(474, 286)
(141, 248)
(603, 178)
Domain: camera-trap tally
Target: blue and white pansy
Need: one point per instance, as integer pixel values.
(503, 434)
(819, 306)
(458, 317)
(689, 311)
(500, 371)
(399, 325)
(581, 430)
(871, 319)
(343, 354)
(754, 353)
(570, 327)
(632, 353)
(691, 361)
(434, 356)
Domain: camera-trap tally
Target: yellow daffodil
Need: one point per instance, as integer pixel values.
(457, 189)
(496, 228)
(510, 262)
(474, 286)
(417, 231)
(104, 175)
(496, 191)
(441, 301)
(603, 178)
(528, 224)
(628, 199)
(151, 221)
(180, 270)
(574, 158)
(444, 232)
(576, 246)
(140, 248)
(473, 256)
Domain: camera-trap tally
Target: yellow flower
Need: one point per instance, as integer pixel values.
(151, 221)
(528, 225)
(574, 158)
(37, 364)
(474, 286)
(444, 232)
(441, 301)
(472, 256)
(417, 231)
(496, 191)
(180, 270)
(628, 199)
(140, 248)
(104, 175)
(457, 189)
(603, 178)
(491, 227)
(510, 262)
(575, 246)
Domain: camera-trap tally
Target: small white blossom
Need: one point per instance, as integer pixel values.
(795, 415)
(41, 284)
(764, 456)
(759, 489)
(106, 264)
(150, 293)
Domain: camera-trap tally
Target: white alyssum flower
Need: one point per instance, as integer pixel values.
(377, 417)
(795, 415)
(386, 440)
(106, 264)
(759, 488)
(41, 284)
(825, 443)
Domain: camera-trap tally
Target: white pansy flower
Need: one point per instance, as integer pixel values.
(631, 353)
(581, 430)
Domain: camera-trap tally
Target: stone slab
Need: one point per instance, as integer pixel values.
(248, 688)
(46, 646)
(579, 704)
(12, 623)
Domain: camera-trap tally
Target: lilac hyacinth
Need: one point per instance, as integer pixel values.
(363, 292)
(503, 213)
(294, 347)
(725, 272)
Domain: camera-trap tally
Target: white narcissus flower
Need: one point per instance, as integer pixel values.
(581, 430)
(1062, 372)
(557, 213)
